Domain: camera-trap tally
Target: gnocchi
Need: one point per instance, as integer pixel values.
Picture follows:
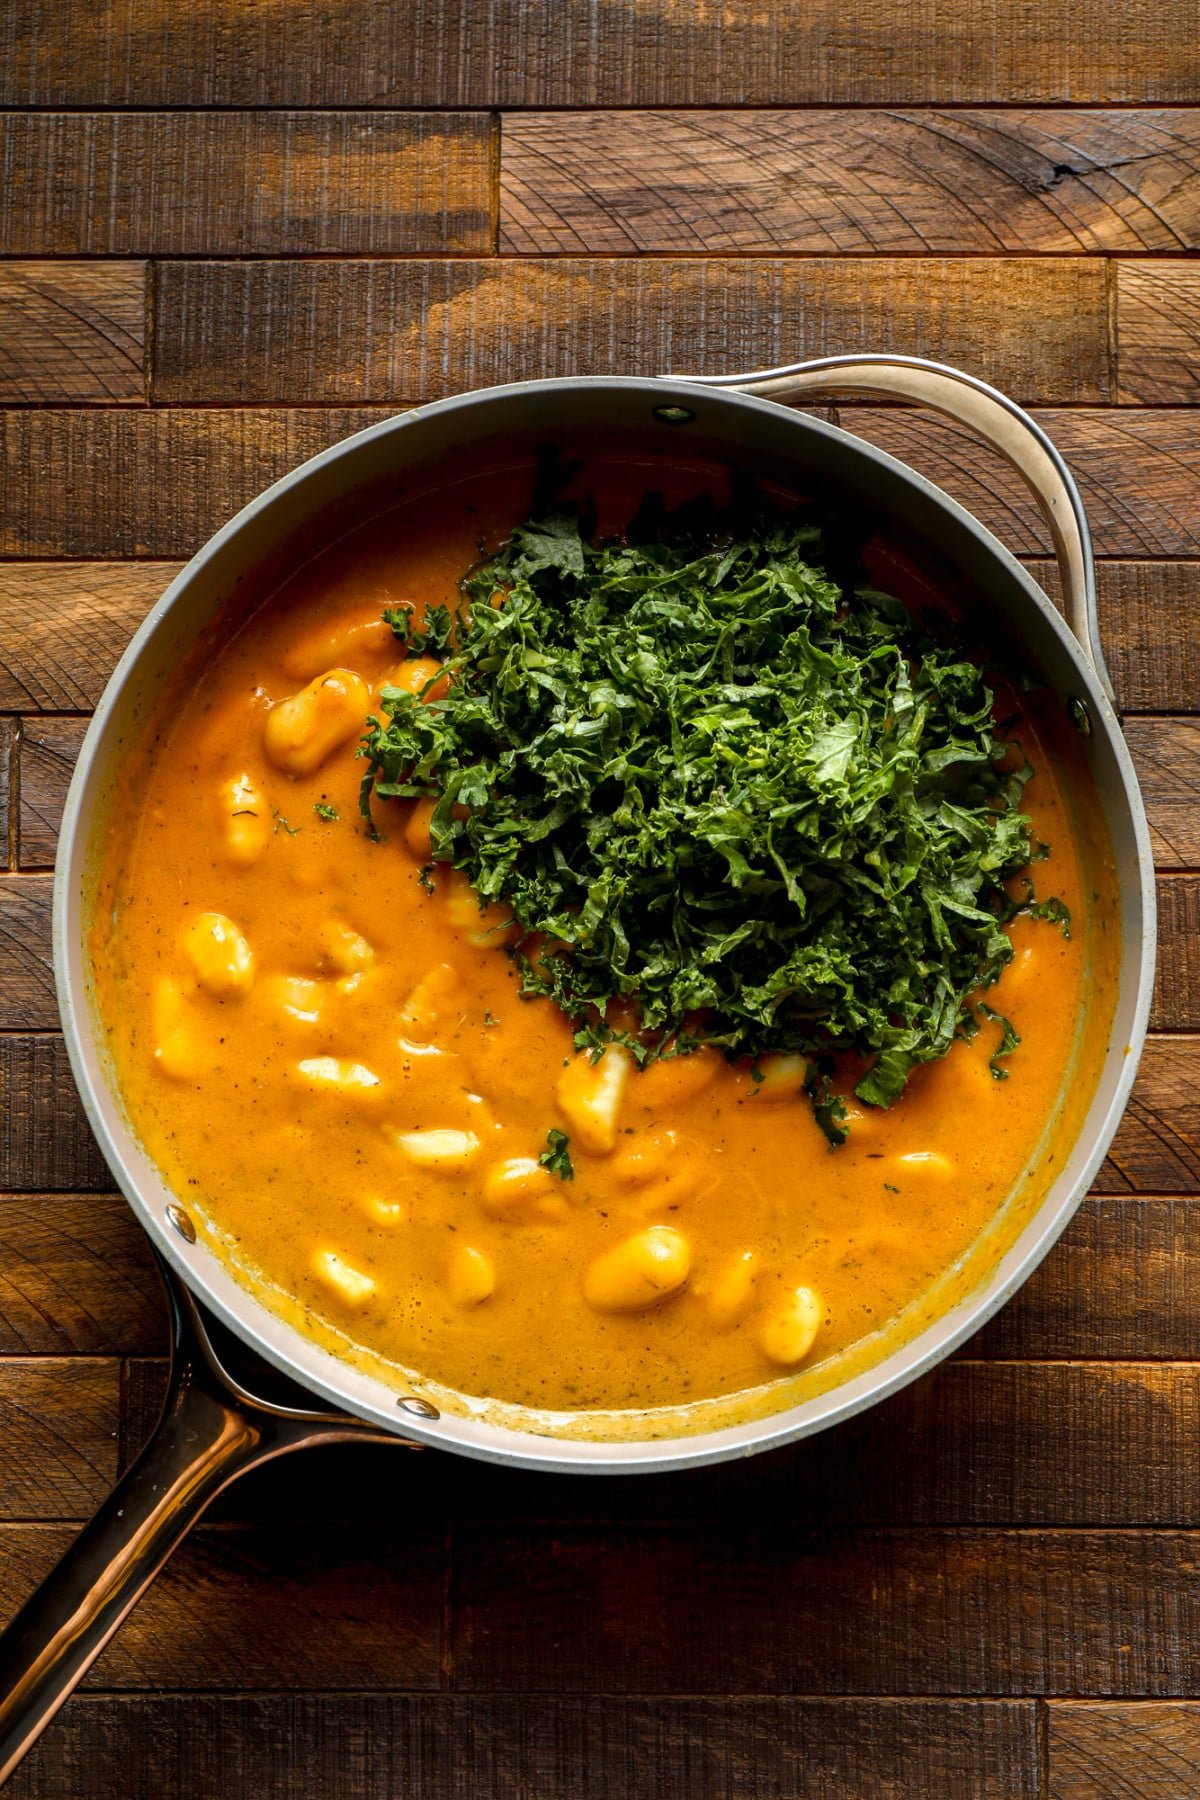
(590, 1094)
(437, 1149)
(790, 1331)
(339, 1277)
(302, 731)
(641, 1272)
(221, 959)
(471, 1276)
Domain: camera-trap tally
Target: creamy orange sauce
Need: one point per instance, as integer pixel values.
(333, 1068)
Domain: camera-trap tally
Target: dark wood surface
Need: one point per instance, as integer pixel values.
(231, 234)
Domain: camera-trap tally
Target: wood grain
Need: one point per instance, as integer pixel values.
(1145, 1751)
(519, 53)
(445, 1747)
(45, 1143)
(1158, 333)
(267, 1608)
(1121, 1282)
(72, 334)
(1138, 470)
(1166, 755)
(64, 625)
(235, 184)
(835, 183)
(1176, 1003)
(265, 332)
(155, 484)
(1150, 625)
(76, 1275)
(8, 821)
(26, 975)
(147, 484)
(672, 1608)
(58, 1424)
(48, 751)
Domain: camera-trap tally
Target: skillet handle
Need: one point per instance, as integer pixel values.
(211, 1431)
(995, 418)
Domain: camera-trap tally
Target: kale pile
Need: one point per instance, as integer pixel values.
(770, 812)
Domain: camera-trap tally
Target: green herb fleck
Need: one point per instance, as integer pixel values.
(425, 878)
(490, 1019)
(556, 1158)
(1009, 1040)
(281, 824)
(324, 810)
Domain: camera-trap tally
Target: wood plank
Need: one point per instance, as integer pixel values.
(241, 184)
(1121, 1282)
(1138, 470)
(266, 332)
(1150, 624)
(835, 183)
(26, 973)
(58, 1426)
(48, 751)
(1176, 1004)
(72, 335)
(8, 774)
(378, 1746)
(154, 484)
(76, 1275)
(147, 484)
(519, 53)
(266, 1608)
(1145, 1751)
(45, 1143)
(1158, 333)
(686, 1608)
(1166, 755)
(64, 625)
(1157, 1147)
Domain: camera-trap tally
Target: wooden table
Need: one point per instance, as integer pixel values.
(236, 232)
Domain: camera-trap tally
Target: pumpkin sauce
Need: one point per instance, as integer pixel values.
(324, 1051)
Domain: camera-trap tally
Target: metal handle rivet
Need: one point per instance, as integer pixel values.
(180, 1220)
(1080, 717)
(673, 415)
(421, 1409)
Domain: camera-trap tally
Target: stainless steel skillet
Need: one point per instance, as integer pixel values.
(217, 1421)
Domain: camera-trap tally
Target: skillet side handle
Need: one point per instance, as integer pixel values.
(999, 421)
(211, 1431)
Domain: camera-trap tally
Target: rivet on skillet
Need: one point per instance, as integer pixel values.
(1080, 717)
(182, 1223)
(421, 1409)
(673, 415)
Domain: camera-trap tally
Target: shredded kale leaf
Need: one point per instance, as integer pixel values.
(556, 1156)
(754, 805)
